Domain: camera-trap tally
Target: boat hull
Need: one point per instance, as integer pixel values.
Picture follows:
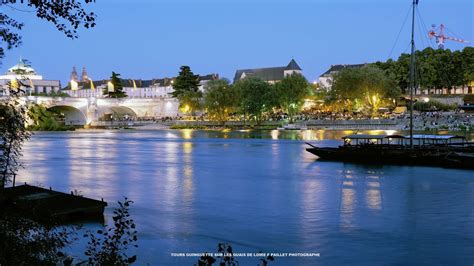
(377, 155)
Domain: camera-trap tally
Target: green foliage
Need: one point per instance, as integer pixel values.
(185, 83)
(190, 102)
(434, 68)
(111, 245)
(433, 106)
(25, 242)
(45, 120)
(13, 133)
(256, 97)
(67, 16)
(367, 88)
(117, 85)
(52, 94)
(186, 89)
(220, 100)
(467, 65)
(291, 93)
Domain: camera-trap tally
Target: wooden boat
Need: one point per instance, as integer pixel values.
(431, 150)
(46, 205)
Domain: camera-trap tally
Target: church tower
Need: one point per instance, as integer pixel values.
(84, 76)
(74, 74)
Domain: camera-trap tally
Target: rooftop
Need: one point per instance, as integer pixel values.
(337, 68)
(142, 83)
(23, 67)
(267, 73)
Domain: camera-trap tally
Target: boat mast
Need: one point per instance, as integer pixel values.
(412, 70)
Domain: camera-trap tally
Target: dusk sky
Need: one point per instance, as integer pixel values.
(152, 39)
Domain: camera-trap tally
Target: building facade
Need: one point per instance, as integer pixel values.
(269, 74)
(26, 78)
(327, 78)
(154, 88)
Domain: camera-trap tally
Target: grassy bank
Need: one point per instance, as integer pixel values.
(43, 119)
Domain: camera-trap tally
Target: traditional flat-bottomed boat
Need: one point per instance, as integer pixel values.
(433, 150)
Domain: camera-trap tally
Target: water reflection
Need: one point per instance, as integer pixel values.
(34, 156)
(373, 194)
(188, 172)
(374, 199)
(275, 133)
(186, 133)
(193, 189)
(348, 200)
(359, 187)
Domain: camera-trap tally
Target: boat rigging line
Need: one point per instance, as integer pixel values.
(399, 32)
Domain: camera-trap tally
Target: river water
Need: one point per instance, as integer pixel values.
(261, 191)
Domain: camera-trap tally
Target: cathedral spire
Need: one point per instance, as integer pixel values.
(84, 76)
(74, 74)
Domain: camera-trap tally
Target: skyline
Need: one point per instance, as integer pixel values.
(155, 46)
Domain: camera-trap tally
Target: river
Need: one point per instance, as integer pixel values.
(261, 191)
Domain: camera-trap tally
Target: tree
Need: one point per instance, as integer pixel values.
(256, 97)
(467, 64)
(111, 245)
(435, 68)
(115, 89)
(26, 242)
(186, 89)
(366, 88)
(45, 119)
(13, 120)
(66, 16)
(291, 93)
(220, 100)
(190, 102)
(185, 82)
(225, 257)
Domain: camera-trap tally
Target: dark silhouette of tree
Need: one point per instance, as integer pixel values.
(117, 88)
(26, 242)
(185, 82)
(186, 89)
(13, 132)
(110, 246)
(66, 16)
(226, 257)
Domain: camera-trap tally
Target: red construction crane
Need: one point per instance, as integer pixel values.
(440, 37)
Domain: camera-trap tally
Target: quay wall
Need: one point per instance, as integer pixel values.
(384, 124)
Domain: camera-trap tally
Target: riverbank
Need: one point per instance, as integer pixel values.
(461, 123)
(428, 122)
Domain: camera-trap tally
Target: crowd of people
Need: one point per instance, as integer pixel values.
(441, 121)
(433, 120)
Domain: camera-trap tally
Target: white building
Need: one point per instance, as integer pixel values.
(155, 88)
(28, 80)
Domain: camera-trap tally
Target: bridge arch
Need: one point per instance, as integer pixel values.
(72, 115)
(116, 113)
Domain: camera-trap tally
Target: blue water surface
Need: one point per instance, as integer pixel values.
(261, 191)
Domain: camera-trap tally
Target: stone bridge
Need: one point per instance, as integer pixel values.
(87, 111)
